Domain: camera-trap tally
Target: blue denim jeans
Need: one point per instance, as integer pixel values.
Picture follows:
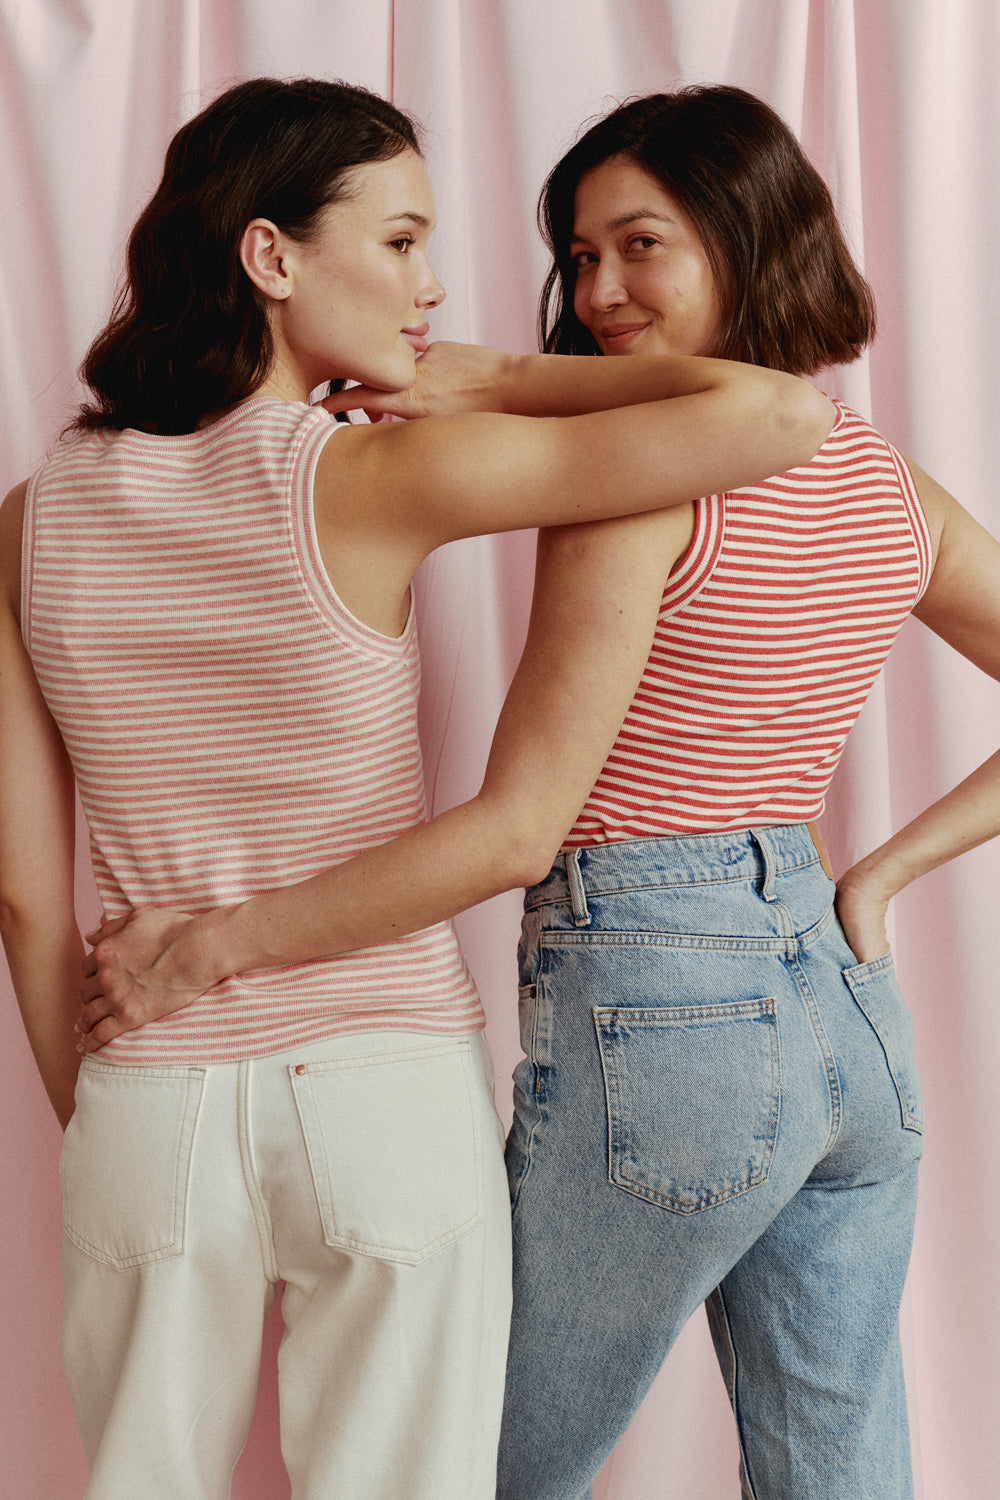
(717, 1102)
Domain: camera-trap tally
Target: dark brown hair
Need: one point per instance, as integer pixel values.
(791, 297)
(189, 332)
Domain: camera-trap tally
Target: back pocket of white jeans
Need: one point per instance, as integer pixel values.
(877, 993)
(126, 1161)
(693, 1096)
(395, 1144)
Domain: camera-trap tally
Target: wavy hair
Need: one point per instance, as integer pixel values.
(189, 332)
(790, 294)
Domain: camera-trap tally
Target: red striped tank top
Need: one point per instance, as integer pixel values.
(231, 725)
(771, 631)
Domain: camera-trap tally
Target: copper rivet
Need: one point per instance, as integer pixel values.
(300, 1069)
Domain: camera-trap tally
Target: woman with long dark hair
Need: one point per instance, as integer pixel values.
(206, 627)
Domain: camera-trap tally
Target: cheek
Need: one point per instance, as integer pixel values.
(581, 301)
(685, 290)
(711, 316)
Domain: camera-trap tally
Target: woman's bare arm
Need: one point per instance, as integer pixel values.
(556, 445)
(597, 593)
(962, 605)
(37, 827)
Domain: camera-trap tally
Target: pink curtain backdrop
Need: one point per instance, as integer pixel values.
(896, 102)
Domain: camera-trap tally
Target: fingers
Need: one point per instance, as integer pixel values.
(92, 987)
(94, 1009)
(356, 398)
(100, 1034)
(108, 928)
(101, 980)
(103, 1017)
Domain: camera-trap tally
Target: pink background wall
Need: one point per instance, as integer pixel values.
(896, 101)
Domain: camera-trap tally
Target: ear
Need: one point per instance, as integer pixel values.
(263, 251)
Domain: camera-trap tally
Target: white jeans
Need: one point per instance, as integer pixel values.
(366, 1173)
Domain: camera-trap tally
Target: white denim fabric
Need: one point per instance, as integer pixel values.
(363, 1171)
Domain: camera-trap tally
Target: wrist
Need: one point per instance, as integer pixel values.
(207, 949)
(878, 876)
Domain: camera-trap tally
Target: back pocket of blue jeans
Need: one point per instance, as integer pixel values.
(126, 1161)
(878, 996)
(693, 1095)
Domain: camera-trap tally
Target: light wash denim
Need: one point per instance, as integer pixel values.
(717, 1101)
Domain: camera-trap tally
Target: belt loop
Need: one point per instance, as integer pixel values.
(577, 894)
(770, 864)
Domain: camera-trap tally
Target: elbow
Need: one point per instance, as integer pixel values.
(519, 833)
(27, 917)
(529, 856)
(12, 913)
(807, 419)
(15, 924)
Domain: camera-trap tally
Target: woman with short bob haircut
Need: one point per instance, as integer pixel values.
(719, 1101)
(791, 296)
(206, 626)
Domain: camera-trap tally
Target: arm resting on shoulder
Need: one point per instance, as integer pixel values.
(629, 435)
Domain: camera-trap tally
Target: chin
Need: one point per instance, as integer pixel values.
(394, 375)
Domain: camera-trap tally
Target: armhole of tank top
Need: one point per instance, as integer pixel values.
(28, 558)
(699, 560)
(918, 521)
(316, 580)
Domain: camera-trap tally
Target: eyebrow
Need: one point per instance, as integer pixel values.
(413, 218)
(631, 217)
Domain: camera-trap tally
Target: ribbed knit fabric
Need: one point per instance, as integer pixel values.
(770, 635)
(231, 725)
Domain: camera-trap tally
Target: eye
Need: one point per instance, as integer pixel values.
(584, 258)
(642, 242)
(402, 244)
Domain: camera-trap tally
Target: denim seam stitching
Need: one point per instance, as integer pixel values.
(536, 1096)
(750, 877)
(708, 1200)
(826, 1053)
(248, 1168)
(558, 938)
(747, 1487)
(908, 1119)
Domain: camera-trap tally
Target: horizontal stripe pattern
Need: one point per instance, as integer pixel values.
(770, 634)
(231, 725)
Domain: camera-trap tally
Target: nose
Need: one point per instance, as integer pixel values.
(606, 289)
(432, 293)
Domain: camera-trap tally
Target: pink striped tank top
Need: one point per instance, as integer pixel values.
(231, 725)
(771, 631)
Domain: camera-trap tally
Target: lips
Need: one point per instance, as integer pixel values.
(618, 336)
(417, 337)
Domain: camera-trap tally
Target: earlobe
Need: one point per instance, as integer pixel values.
(262, 255)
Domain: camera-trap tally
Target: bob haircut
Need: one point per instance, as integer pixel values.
(791, 297)
(189, 333)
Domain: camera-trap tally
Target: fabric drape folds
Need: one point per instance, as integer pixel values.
(896, 103)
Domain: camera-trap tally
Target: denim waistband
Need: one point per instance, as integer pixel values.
(634, 864)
